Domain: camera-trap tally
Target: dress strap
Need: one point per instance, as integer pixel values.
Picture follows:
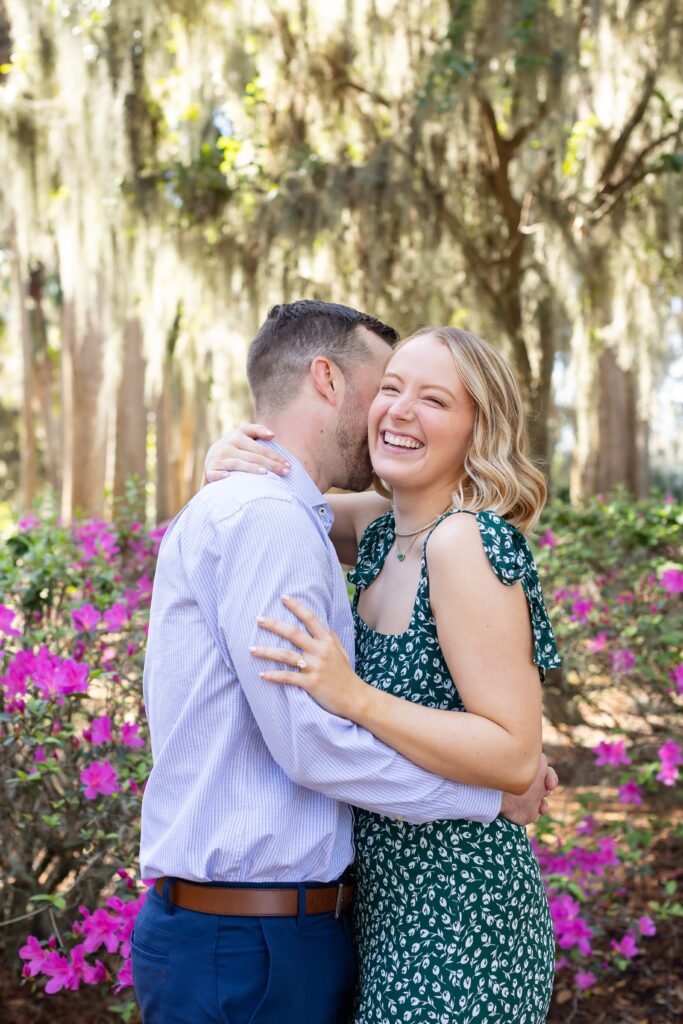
(511, 560)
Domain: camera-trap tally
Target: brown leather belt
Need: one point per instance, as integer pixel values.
(210, 899)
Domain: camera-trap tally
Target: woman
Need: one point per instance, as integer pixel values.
(452, 919)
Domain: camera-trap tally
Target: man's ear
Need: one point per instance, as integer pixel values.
(327, 379)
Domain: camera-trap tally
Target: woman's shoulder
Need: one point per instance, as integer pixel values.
(510, 557)
(504, 545)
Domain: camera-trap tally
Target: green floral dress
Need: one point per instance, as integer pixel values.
(452, 919)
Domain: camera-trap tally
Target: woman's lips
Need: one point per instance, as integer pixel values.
(402, 448)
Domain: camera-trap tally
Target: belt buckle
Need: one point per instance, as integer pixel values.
(340, 898)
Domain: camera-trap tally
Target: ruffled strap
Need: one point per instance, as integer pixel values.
(511, 559)
(372, 550)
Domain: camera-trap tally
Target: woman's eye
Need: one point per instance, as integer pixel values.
(437, 401)
(388, 387)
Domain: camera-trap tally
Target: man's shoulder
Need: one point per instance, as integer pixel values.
(223, 501)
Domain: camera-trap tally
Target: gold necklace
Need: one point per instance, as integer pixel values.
(401, 555)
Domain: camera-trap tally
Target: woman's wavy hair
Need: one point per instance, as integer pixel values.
(497, 474)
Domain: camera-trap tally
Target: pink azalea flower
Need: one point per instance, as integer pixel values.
(611, 753)
(85, 618)
(124, 977)
(670, 758)
(28, 523)
(99, 779)
(570, 928)
(99, 731)
(145, 585)
(586, 826)
(584, 980)
(93, 975)
(100, 929)
(631, 793)
(676, 676)
(129, 735)
(598, 643)
(97, 539)
(61, 973)
(647, 926)
(35, 955)
(672, 581)
(39, 756)
(581, 610)
(623, 661)
(626, 947)
(7, 617)
(116, 617)
(548, 540)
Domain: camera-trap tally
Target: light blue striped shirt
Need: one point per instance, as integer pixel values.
(252, 780)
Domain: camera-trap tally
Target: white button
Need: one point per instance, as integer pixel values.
(322, 510)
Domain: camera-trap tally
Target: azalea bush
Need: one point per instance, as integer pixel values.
(613, 577)
(74, 751)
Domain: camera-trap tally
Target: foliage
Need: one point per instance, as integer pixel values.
(73, 761)
(613, 571)
(73, 749)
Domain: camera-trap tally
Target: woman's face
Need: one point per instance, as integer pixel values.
(420, 423)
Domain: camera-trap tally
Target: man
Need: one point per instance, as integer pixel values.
(245, 824)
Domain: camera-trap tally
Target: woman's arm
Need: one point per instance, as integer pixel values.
(352, 513)
(485, 634)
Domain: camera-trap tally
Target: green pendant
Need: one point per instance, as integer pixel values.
(400, 557)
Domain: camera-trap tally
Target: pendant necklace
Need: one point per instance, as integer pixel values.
(401, 555)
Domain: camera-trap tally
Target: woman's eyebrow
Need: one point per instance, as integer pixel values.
(431, 387)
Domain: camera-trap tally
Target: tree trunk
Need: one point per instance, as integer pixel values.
(45, 383)
(131, 417)
(611, 439)
(28, 472)
(84, 415)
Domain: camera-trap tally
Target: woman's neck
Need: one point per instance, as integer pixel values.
(413, 509)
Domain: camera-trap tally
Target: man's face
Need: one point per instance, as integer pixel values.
(352, 427)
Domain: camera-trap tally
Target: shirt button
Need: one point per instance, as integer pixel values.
(322, 511)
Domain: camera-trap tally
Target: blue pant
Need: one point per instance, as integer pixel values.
(191, 968)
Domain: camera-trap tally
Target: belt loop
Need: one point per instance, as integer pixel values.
(340, 900)
(166, 895)
(301, 915)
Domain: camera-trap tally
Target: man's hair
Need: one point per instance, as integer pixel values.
(291, 337)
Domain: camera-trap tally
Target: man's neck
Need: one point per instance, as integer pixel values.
(302, 440)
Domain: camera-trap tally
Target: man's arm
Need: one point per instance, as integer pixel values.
(271, 547)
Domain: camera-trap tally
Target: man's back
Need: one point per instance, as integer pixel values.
(217, 805)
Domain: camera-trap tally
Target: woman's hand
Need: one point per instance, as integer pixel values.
(238, 452)
(322, 668)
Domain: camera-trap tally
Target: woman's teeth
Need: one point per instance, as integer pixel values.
(398, 441)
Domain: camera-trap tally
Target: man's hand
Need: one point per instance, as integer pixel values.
(522, 810)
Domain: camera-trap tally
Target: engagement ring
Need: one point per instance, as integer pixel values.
(302, 663)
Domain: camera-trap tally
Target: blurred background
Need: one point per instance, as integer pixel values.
(171, 169)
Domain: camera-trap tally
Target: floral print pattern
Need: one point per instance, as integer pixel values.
(452, 920)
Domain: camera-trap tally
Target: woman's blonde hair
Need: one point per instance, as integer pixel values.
(498, 474)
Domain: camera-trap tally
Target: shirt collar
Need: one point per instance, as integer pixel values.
(303, 486)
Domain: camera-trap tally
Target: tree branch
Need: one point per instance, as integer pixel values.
(621, 142)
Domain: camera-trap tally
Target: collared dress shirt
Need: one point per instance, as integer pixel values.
(252, 780)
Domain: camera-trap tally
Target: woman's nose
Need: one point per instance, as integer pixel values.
(402, 406)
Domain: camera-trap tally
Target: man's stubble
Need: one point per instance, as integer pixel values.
(352, 442)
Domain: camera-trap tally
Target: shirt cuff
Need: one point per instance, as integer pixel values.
(481, 804)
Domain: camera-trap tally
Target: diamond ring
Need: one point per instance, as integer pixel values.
(302, 663)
